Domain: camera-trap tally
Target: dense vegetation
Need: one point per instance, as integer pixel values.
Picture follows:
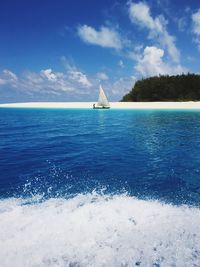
(166, 88)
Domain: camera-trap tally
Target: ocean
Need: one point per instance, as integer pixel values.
(102, 188)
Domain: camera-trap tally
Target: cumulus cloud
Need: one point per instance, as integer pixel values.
(74, 74)
(48, 74)
(104, 37)
(196, 27)
(139, 13)
(46, 81)
(151, 63)
(80, 78)
(10, 75)
(72, 84)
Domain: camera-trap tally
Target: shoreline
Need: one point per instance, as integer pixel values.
(113, 105)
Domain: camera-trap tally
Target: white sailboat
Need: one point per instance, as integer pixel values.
(102, 101)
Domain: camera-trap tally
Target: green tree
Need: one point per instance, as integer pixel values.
(185, 87)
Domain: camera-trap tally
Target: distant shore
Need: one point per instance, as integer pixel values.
(113, 105)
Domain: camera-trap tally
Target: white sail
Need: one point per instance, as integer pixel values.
(102, 101)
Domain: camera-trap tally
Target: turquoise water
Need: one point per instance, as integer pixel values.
(99, 187)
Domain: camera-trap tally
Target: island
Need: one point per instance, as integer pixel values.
(176, 88)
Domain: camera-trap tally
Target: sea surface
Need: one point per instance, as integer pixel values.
(99, 188)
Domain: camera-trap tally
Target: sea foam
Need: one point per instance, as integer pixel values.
(98, 230)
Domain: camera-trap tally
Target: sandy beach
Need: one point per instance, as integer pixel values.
(113, 105)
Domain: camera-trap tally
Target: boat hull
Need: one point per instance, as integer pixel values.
(101, 107)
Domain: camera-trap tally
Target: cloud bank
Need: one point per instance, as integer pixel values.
(46, 81)
(70, 85)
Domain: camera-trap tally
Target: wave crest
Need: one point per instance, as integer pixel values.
(98, 230)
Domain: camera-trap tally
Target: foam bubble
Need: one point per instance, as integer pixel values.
(96, 230)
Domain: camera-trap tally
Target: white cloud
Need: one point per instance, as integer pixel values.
(196, 27)
(75, 75)
(151, 63)
(105, 37)
(47, 81)
(196, 22)
(8, 77)
(121, 64)
(102, 76)
(139, 13)
(48, 73)
(72, 84)
(122, 86)
(135, 53)
(80, 78)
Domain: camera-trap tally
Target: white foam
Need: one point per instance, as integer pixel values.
(95, 230)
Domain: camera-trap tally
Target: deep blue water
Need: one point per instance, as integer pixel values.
(56, 152)
(99, 188)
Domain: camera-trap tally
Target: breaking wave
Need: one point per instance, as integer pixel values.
(98, 230)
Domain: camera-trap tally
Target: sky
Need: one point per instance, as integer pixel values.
(61, 50)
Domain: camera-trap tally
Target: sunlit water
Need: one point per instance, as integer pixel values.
(99, 188)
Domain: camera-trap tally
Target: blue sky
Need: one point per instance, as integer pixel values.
(61, 50)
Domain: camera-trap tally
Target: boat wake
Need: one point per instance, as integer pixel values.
(97, 230)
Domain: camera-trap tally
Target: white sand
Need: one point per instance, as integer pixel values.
(114, 105)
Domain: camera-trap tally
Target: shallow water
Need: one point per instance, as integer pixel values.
(99, 187)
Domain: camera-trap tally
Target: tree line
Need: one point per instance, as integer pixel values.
(185, 87)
